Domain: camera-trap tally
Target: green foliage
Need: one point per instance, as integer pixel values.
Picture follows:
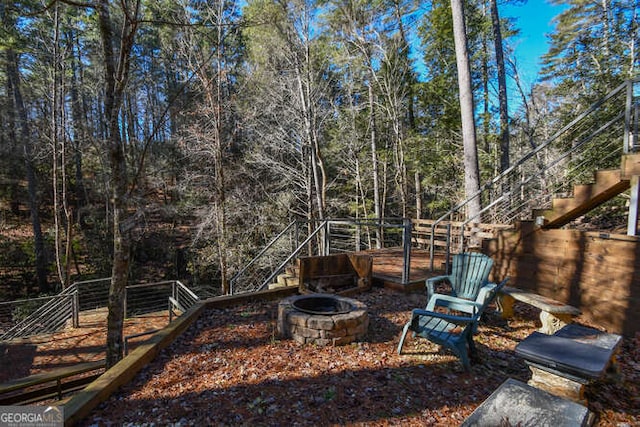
(591, 49)
(15, 253)
(223, 108)
(22, 310)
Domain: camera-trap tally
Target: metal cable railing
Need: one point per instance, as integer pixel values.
(596, 139)
(321, 237)
(93, 294)
(254, 274)
(38, 315)
(35, 316)
(185, 296)
(300, 249)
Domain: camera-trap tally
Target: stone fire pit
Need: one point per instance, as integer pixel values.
(322, 319)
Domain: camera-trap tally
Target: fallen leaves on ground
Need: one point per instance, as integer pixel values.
(71, 346)
(231, 368)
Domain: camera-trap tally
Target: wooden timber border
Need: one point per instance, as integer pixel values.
(599, 273)
(51, 384)
(81, 405)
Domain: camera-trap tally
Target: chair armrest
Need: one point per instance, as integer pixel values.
(489, 291)
(458, 320)
(453, 303)
(433, 281)
(486, 293)
(502, 284)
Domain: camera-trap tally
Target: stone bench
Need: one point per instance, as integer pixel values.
(565, 362)
(515, 403)
(553, 315)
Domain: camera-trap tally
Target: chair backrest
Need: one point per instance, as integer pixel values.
(469, 272)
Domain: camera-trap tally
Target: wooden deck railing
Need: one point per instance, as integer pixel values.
(446, 237)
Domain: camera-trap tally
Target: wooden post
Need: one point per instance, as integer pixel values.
(632, 223)
(406, 248)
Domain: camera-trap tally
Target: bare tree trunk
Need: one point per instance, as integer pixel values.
(59, 175)
(306, 164)
(13, 76)
(392, 93)
(405, 46)
(486, 114)
(401, 175)
(360, 192)
(220, 205)
(315, 160)
(633, 43)
(374, 160)
(529, 128)
(471, 168)
(502, 89)
(116, 77)
(305, 81)
(418, 196)
(79, 119)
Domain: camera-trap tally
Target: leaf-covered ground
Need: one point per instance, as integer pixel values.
(71, 346)
(231, 368)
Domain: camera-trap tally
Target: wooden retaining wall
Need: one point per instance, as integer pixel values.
(596, 272)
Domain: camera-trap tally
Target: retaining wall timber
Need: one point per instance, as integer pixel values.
(596, 272)
(81, 404)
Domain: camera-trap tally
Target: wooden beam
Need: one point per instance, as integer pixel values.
(630, 165)
(51, 376)
(608, 184)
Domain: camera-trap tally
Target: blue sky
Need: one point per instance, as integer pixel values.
(534, 19)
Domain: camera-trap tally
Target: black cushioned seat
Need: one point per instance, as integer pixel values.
(568, 352)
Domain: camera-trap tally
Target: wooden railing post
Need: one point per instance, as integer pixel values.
(634, 199)
(406, 249)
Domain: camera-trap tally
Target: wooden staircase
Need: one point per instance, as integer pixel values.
(289, 278)
(607, 184)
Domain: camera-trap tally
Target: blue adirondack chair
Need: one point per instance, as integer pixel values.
(454, 332)
(469, 272)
